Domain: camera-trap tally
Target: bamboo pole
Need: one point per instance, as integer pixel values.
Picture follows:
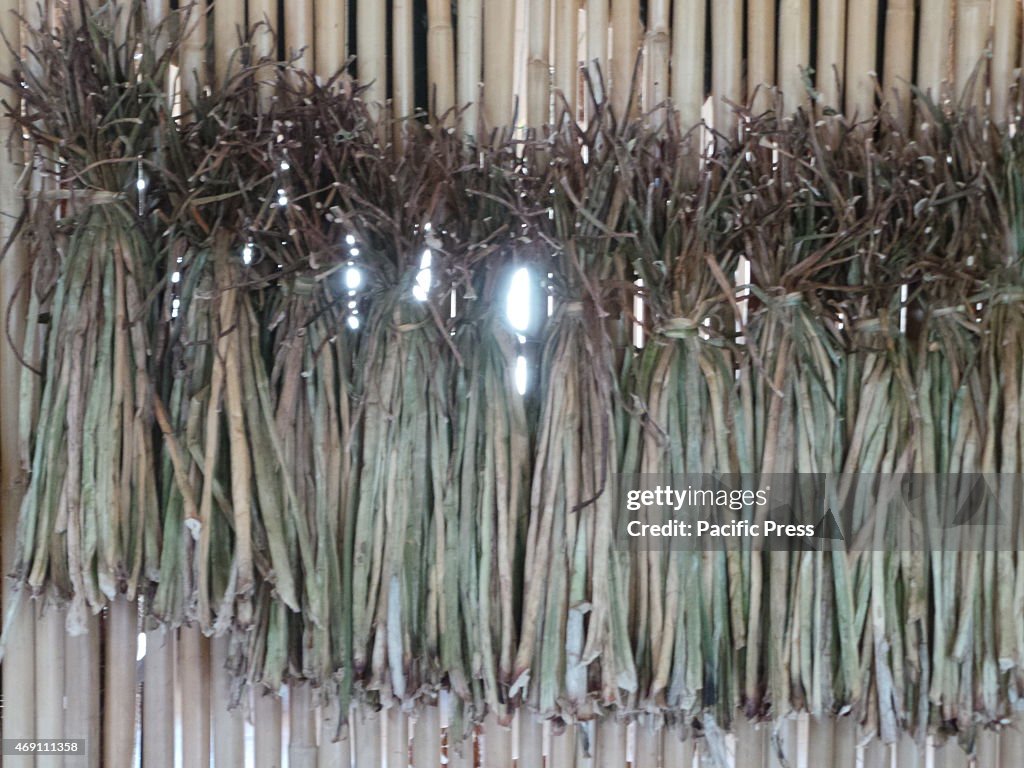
(371, 50)
(156, 13)
(228, 20)
(726, 66)
(625, 46)
(498, 33)
(497, 741)
(831, 64)
(563, 748)
(426, 737)
(193, 673)
(933, 46)
(821, 737)
(193, 52)
(908, 754)
(611, 742)
(397, 737)
(531, 741)
(440, 56)
(676, 750)
(844, 743)
(301, 727)
(972, 28)
(750, 744)
(761, 52)
(298, 32)
(267, 717)
(470, 63)
(366, 736)
(861, 47)
(49, 683)
(688, 60)
(566, 30)
(1011, 743)
(158, 700)
(597, 50)
(122, 630)
(657, 53)
(18, 668)
(794, 51)
(263, 23)
(228, 728)
(898, 70)
(877, 753)
(331, 752)
(82, 688)
(402, 85)
(1005, 45)
(330, 36)
(987, 750)
(538, 75)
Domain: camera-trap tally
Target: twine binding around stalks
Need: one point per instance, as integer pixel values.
(257, 412)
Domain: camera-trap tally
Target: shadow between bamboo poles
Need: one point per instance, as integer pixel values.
(158, 699)
(82, 688)
(426, 737)
(119, 680)
(330, 36)
(301, 727)
(267, 729)
(366, 739)
(19, 656)
(844, 743)
(194, 679)
(396, 739)
(1005, 45)
(877, 753)
(49, 680)
(329, 751)
(228, 724)
(531, 741)
(751, 744)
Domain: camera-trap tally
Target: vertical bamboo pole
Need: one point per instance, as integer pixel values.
(861, 49)
(898, 70)
(440, 56)
(331, 752)
(649, 749)
(531, 741)
(538, 77)
(750, 744)
(877, 753)
(193, 673)
(193, 52)
(597, 49)
(566, 31)
(794, 50)
(158, 700)
(301, 727)
(676, 750)
(499, 30)
(122, 631)
(470, 62)
(330, 36)
(831, 63)
(611, 743)
(49, 681)
(366, 737)
(821, 741)
(267, 716)
(726, 66)
(228, 724)
(784, 741)
(1011, 744)
(497, 741)
(908, 755)
(844, 743)
(397, 738)
(156, 13)
(933, 46)
(426, 737)
(371, 50)
(18, 669)
(228, 20)
(987, 749)
(298, 32)
(402, 86)
(761, 52)
(263, 20)
(563, 748)
(972, 27)
(82, 688)
(657, 52)
(1005, 44)
(951, 755)
(688, 46)
(625, 46)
